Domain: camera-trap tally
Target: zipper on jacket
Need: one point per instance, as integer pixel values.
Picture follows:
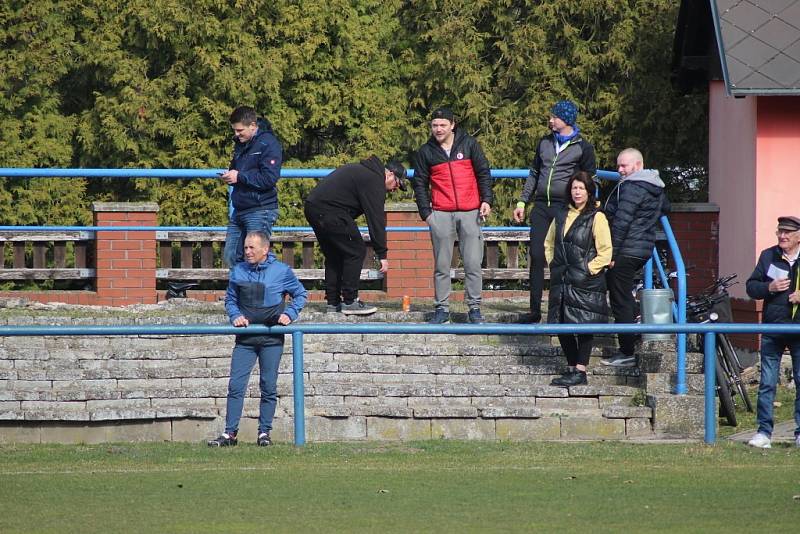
(553, 168)
(796, 288)
(450, 169)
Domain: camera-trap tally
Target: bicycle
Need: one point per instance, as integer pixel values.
(714, 305)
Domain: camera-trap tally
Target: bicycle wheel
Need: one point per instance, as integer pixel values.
(729, 353)
(726, 407)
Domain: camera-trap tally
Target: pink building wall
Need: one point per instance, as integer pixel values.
(754, 161)
(777, 164)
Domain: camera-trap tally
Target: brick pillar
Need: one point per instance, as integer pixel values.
(696, 228)
(410, 254)
(126, 260)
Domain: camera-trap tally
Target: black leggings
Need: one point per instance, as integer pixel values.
(577, 348)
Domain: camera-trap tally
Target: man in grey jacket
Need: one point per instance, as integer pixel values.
(633, 209)
(559, 155)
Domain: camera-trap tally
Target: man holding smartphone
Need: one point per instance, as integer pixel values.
(252, 176)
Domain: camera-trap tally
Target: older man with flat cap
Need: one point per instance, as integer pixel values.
(776, 281)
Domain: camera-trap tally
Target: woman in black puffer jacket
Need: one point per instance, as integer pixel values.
(578, 249)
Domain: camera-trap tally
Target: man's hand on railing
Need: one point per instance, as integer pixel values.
(241, 321)
(284, 319)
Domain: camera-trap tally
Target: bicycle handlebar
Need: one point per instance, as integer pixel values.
(721, 285)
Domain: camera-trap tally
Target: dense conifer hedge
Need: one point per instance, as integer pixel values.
(143, 83)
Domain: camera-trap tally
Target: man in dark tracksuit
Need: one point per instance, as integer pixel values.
(252, 176)
(256, 292)
(331, 209)
(776, 281)
(559, 155)
(634, 208)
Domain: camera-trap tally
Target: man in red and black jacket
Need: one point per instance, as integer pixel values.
(453, 189)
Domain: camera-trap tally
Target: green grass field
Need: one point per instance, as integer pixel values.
(436, 486)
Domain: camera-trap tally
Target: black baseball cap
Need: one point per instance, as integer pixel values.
(396, 168)
(443, 113)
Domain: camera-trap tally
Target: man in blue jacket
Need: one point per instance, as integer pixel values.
(252, 176)
(776, 281)
(255, 295)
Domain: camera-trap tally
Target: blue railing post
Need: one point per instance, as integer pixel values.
(680, 267)
(647, 274)
(299, 390)
(710, 365)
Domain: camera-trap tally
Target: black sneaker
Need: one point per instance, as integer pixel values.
(333, 308)
(440, 316)
(578, 378)
(264, 440)
(474, 316)
(357, 308)
(225, 440)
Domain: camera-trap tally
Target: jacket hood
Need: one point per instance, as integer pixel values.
(649, 176)
(374, 164)
(264, 126)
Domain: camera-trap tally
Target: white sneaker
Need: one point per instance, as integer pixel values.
(357, 308)
(619, 359)
(760, 441)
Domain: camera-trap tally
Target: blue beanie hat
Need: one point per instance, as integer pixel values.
(566, 111)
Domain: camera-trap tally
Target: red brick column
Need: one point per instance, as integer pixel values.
(410, 254)
(696, 228)
(126, 260)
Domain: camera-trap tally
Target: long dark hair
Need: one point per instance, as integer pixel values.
(586, 179)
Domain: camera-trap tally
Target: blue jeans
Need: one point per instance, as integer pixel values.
(771, 351)
(239, 225)
(242, 362)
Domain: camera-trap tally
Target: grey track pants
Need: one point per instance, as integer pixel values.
(445, 227)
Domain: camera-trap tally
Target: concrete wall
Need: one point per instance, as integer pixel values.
(732, 178)
(358, 387)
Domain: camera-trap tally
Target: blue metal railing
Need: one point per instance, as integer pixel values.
(180, 174)
(297, 330)
(679, 309)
